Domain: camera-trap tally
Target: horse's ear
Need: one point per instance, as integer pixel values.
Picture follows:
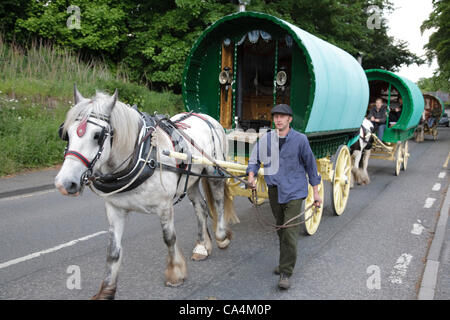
(77, 97)
(113, 101)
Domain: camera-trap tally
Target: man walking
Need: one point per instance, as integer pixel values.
(285, 170)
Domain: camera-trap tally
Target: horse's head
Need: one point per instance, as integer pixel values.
(366, 130)
(89, 133)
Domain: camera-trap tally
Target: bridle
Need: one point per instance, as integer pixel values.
(105, 132)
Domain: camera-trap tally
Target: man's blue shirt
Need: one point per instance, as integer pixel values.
(287, 168)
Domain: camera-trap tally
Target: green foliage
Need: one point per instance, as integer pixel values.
(102, 24)
(439, 42)
(28, 135)
(10, 11)
(148, 101)
(152, 39)
(36, 91)
(435, 83)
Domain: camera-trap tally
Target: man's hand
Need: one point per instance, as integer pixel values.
(317, 198)
(251, 180)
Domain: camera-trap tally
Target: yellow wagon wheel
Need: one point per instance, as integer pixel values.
(405, 155)
(312, 223)
(341, 179)
(398, 158)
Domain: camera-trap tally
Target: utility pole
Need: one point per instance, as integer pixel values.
(242, 4)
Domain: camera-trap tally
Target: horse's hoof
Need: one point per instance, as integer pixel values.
(174, 284)
(223, 244)
(200, 252)
(105, 293)
(198, 257)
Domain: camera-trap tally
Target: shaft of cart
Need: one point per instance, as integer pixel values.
(235, 167)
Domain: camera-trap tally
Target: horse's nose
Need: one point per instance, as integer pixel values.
(67, 187)
(71, 187)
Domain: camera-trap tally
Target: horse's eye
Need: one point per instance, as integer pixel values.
(96, 135)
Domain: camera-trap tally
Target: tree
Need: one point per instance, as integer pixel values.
(152, 38)
(102, 24)
(433, 84)
(438, 45)
(10, 11)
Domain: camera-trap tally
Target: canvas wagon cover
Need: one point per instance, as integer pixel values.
(329, 89)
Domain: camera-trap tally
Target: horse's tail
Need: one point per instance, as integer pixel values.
(210, 202)
(229, 213)
(228, 207)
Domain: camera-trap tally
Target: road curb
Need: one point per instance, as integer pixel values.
(20, 192)
(429, 280)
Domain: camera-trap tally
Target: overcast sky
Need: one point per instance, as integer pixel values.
(404, 24)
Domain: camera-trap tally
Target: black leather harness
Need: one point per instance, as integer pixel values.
(111, 182)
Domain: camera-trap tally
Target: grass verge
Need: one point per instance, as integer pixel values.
(36, 90)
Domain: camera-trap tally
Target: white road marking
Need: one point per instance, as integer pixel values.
(400, 268)
(441, 175)
(429, 202)
(417, 228)
(38, 254)
(436, 187)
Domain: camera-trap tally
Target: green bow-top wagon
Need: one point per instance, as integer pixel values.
(247, 62)
(434, 110)
(395, 91)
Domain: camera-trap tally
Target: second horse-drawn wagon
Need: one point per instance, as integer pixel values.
(246, 63)
(434, 109)
(398, 92)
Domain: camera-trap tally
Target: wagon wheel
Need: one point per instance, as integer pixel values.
(341, 179)
(261, 186)
(398, 158)
(405, 155)
(311, 224)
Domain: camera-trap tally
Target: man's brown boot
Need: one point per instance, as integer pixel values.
(283, 283)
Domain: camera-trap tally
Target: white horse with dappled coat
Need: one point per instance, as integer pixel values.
(103, 135)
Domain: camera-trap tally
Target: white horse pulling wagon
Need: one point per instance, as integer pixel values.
(117, 150)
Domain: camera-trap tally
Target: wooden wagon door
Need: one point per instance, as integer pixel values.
(226, 96)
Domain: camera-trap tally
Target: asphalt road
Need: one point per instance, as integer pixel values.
(375, 250)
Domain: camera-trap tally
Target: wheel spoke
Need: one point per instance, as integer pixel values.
(345, 191)
(337, 195)
(347, 170)
(338, 201)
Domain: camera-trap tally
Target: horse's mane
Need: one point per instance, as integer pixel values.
(123, 119)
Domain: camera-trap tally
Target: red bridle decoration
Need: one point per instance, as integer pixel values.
(81, 129)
